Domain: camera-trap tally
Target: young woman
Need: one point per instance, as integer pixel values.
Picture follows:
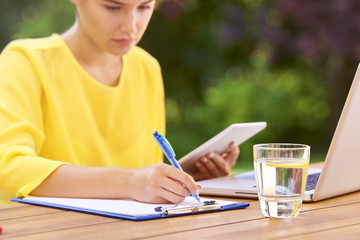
(77, 113)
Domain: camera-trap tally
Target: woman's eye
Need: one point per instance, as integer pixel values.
(144, 7)
(112, 8)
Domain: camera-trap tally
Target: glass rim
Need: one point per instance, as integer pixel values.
(284, 146)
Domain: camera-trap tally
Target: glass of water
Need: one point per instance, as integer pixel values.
(281, 174)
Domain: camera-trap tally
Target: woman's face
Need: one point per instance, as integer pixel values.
(114, 26)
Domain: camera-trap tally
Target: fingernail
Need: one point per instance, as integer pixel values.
(211, 155)
(197, 191)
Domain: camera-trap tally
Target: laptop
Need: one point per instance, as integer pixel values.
(339, 174)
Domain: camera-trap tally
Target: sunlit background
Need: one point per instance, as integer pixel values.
(287, 62)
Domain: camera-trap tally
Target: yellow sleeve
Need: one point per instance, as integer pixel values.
(21, 127)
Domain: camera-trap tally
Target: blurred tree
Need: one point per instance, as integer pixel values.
(24, 18)
(324, 35)
(317, 40)
(44, 19)
(10, 12)
(287, 62)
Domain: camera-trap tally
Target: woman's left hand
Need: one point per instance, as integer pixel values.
(214, 165)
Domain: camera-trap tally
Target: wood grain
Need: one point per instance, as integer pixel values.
(336, 218)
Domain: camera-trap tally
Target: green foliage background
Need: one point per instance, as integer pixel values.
(287, 62)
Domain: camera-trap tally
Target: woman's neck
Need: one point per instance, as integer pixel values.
(102, 66)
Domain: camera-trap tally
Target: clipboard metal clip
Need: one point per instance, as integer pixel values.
(207, 206)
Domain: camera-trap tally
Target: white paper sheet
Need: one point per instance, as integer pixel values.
(126, 207)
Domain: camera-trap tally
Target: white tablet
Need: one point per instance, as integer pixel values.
(237, 133)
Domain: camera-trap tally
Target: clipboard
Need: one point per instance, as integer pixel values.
(133, 210)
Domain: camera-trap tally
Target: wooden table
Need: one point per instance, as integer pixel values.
(337, 218)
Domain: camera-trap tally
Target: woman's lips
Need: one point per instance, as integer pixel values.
(124, 41)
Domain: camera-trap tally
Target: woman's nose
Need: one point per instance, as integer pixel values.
(128, 22)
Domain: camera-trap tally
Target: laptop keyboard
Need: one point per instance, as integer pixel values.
(312, 181)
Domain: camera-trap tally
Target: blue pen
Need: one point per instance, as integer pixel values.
(170, 154)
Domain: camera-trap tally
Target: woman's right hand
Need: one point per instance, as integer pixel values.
(161, 183)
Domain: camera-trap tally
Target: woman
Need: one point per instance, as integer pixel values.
(78, 110)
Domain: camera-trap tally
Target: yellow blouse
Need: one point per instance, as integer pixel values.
(52, 112)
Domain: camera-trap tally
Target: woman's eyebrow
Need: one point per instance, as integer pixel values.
(149, 1)
(120, 3)
(114, 2)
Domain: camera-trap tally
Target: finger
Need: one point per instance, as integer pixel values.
(155, 193)
(221, 164)
(210, 166)
(185, 179)
(203, 173)
(231, 154)
(167, 189)
(234, 154)
(171, 197)
(155, 199)
(175, 187)
(225, 154)
(164, 196)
